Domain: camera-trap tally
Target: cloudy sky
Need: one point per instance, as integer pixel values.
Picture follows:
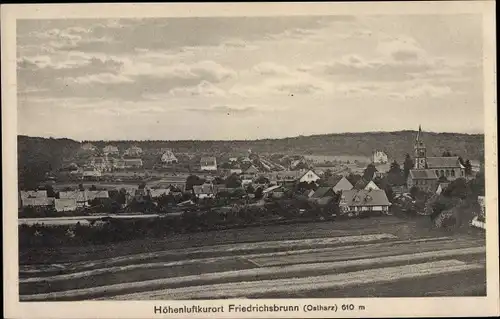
(245, 78)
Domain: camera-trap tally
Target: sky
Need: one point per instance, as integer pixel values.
(248, 77)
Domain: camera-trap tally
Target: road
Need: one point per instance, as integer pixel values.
(372, 263)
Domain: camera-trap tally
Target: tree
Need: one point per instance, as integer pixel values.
(328, 174)
(80, 187)
(50, 190)
(250, 189)
(395, 174)
(407, 166)
(233, 181)
(468, 168)
(193, 180)
(369, 172)
(218, 181)
(457, 188)
(262, 180)
(447, 154)
(93, 188)
(258, 193)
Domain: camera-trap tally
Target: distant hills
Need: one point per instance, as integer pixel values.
(37, 155)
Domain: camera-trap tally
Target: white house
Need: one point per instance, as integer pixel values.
(168, 157)
(371, 185)
(309, 176)
(88, 147)
(65, 204)
(110, 150)
(208, 164)
(379, 157)
(133, 151)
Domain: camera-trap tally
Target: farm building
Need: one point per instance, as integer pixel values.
(208, 164)
(168, 157)
(379, 157)
(65, 204)
(342, 185)
(110, 150)
(356, 201)
(204, 191)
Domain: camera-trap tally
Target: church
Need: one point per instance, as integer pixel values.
(427, 171)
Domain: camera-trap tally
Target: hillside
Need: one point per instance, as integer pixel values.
(37, 155)
(395, 144)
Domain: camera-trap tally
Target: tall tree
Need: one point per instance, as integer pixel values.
(233, 181)
(369, 172)
(395, 174)
(407, 166)
(468, 168)
(193, 180)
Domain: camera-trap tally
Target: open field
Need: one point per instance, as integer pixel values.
(373, 257)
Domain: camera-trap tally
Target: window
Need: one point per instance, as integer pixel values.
(437, 173)
(447, 173)
(462, 172)
(453, 173)
(442, 173)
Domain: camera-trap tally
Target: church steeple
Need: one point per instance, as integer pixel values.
(420, 151)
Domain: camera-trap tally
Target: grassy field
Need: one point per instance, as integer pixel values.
(341, 158)
(384, 256)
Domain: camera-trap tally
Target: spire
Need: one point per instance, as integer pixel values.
(419, 133)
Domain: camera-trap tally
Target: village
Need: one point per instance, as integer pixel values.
(110, 181)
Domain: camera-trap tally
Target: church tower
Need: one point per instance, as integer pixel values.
(420, 151)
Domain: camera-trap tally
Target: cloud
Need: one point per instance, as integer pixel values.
(226, 110)
(205, 89)
(101, 78)
(423, 90)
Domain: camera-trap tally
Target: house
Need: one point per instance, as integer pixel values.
(246, 159)
(342, 185)
(323, 192)
(371, 185)
(252, 170)
(82, 198)
(204, 191)
(476, 166)
(37, 201)
(233, 160)
(110, 150)
(309, 176)
(88, 147)
(101, 164)
(208, 164)
(133, 151)
(379, 157)
(158, 192)
(132, 162)
(169, 158)
(424, 179)
(276, 191)
(359, 201)
(96, 194)
(65, 204)
(33, 194)
(91, 174)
